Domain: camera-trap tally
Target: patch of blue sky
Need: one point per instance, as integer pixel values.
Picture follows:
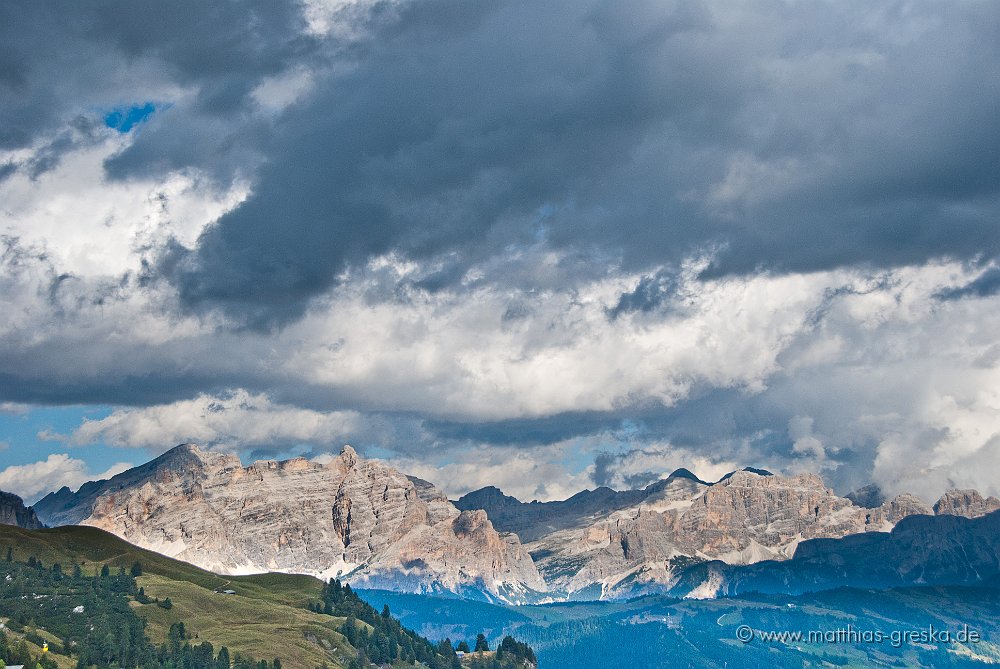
(123, 119)
(36, 433)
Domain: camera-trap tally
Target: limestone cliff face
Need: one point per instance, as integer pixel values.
(13, 512)
(745, 518)
(354, 518)
(373, 526)
(650, 537)
(966, 503)
(927, 550)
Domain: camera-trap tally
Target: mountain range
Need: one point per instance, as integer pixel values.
(350, 517)
(375, 527)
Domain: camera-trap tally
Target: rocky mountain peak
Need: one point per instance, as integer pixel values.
(489, 497)
(869, 496)
(182, 453)
(349, 456)
(760, 478)
(684, 473)
(353, 518)
(967, 503)
(746, 470)
(189, 456)
(13, 512)
(904, 505)
(469, 522)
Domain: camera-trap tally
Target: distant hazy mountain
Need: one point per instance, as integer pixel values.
(920, 550)
(13, 512)
(355, 518)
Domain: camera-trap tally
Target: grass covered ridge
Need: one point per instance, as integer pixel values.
(267, 618)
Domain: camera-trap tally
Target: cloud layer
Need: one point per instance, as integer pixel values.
(33, 481)
(597, 241)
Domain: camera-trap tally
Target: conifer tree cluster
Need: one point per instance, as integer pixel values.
(92, 618)
(381, 639)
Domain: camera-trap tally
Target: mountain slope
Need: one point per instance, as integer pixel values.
(354, 518)
(378, 528)
(13, 512)
(606, 544)
(920, 550)
(107, 582)
(266, 616)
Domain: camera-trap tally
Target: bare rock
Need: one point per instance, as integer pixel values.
(354, 518)
(13, 512)
(966, 503)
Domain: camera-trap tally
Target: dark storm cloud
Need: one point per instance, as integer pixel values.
(526, 431)
(985, 285)
(720, 424)
(58, 60)
(788, 136)
(649, 294)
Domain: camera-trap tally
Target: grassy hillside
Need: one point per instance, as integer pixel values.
(292, 617)
(91, 548)
(247, 623)
(267, 617)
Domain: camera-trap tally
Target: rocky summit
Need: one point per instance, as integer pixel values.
(13, 512)
(357, 519)
(375, 527)
(645, 540)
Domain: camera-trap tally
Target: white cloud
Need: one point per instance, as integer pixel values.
(114, 223)
(34, 480)
(800, 429)
(540, 473)
(887, 373)
(451, 354)
(238, 418)
(647, 462)
(276, 93)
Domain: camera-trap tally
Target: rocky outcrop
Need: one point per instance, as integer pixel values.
(13, 512)
(966, 503)
(746, 517)
(920, 550)
(643, 540)
(869, 496)
(534, 520)
(373, 526)
(353, 518)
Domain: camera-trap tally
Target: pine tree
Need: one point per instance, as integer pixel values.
(481, 642)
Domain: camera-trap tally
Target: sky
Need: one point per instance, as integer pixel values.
(545, 246)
